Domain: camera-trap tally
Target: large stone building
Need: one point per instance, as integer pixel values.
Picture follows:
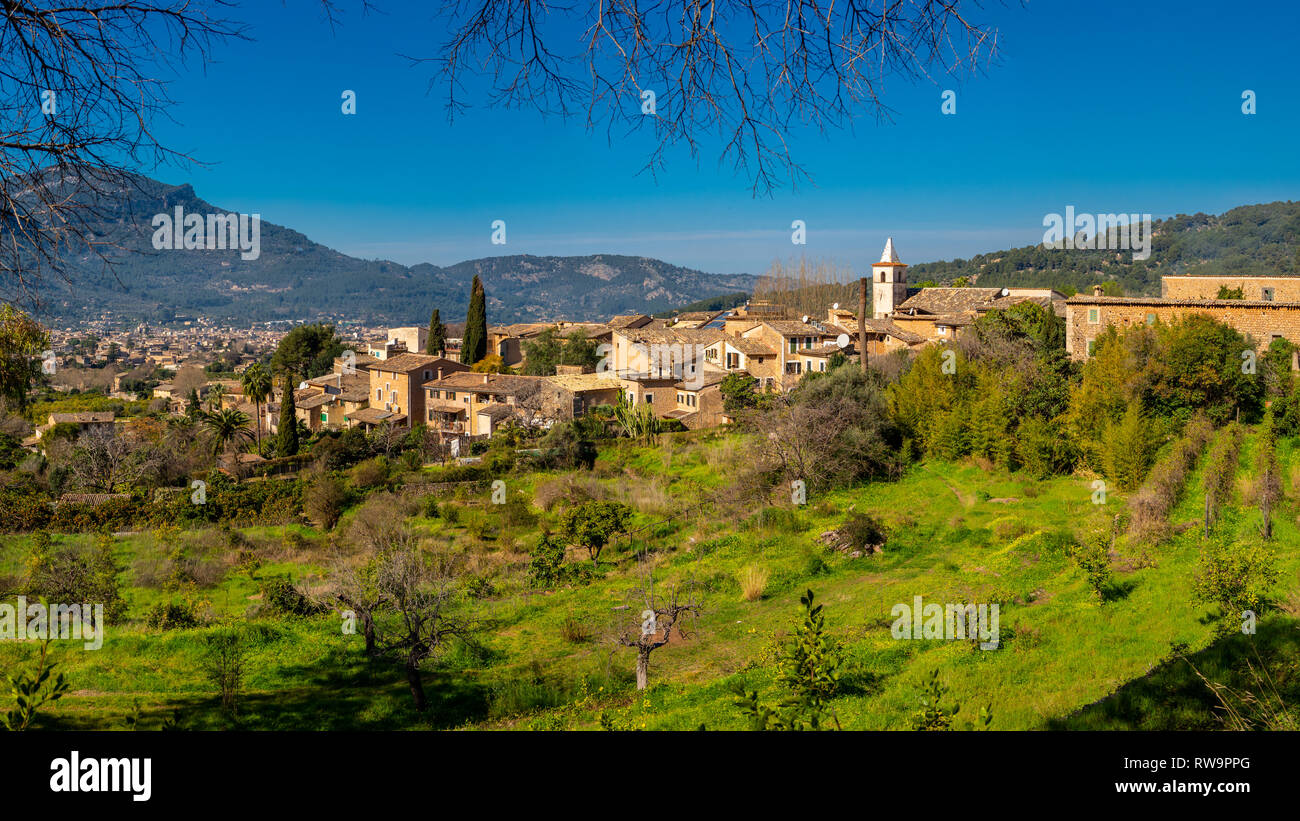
(1269, 310)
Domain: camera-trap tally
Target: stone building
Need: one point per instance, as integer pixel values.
(1264, 320)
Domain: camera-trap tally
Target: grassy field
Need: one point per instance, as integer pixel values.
(544, 660)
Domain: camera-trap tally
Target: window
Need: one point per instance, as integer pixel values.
(379, 395)
(426, 376)
(711, 353)
(1094, 316)
(792, 367)
(1267, 294)
(324, 416)
(681, 399)
(649, 398)
(823, 365)
(1151, 319)
(942, 330)
(794, 344)
(1092, 344)
(430, 416)
(733, 361)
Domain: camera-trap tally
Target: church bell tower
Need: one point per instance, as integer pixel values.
(888, 282)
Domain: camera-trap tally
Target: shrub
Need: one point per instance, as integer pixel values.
(1093, 557)
(1236, 575)
(223, 662)
(753, 581)
(282, 598)
(863, 529)
(171, 616)
(370, 473)
(573, 630)
(323, 500)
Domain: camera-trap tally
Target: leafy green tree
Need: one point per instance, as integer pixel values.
(474, 341)
(546, 567)
(307, 351)
(22, 340)
(592, 525)
(1234, 573)
(1230, 293)
(739, 392)
(579, 350)
(542, 353)
(1202, 364)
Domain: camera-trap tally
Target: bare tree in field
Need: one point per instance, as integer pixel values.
(407, 602)
(105, 458)
(81, 86)
(650, 618)
(747, 70)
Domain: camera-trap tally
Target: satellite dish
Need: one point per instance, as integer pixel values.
(302, 386)
(836, 306)
(1006, 292)
(842, 340)
(805, 317)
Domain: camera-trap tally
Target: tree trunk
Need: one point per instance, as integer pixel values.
(1207, 514)
(417, 687)
(642, 669)
(1265, 508)
(368, 630)
(862, 323)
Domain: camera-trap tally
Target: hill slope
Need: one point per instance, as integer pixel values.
(1251, 239)
(296, 278)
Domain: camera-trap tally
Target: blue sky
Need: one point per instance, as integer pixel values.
(1106, 106)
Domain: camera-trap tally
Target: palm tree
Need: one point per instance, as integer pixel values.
(225, 426)
(257, 387)
(215, 393)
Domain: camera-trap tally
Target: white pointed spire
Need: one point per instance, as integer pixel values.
(889, 254)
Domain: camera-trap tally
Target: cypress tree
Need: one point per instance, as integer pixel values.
(474, 345)
(286, 436)
(437, 345)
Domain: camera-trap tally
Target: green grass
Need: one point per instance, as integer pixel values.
(958, 534)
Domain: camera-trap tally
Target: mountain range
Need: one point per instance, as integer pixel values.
(294, 278)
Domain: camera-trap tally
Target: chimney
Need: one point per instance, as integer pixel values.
(485, 379)
(1097, 290)
(440, 373)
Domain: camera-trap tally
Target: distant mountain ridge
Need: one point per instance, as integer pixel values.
(295, 278)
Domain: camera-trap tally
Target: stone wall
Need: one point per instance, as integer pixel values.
(1285, 289)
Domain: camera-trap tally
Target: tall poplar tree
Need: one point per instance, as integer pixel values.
(286, 435)
(474, 344)
(437, 345)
